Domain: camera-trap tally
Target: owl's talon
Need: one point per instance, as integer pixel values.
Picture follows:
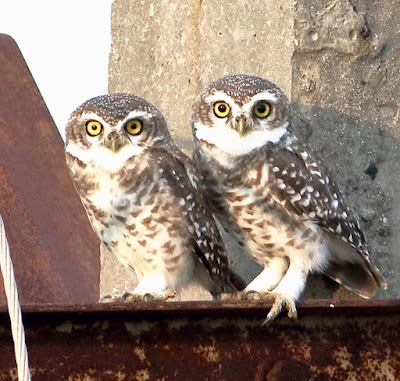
(232, 296)
(255, 295)
(130, 297)
(110, 298)
(280, 302)
(178, 295)
(251, 295)
(170, 294)
(150, 297)
(105, 299)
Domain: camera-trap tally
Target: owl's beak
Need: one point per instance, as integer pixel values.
(241, 126)
(114, 141)
(115, 146)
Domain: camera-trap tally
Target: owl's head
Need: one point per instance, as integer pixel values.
(240, 113)
(112, 125)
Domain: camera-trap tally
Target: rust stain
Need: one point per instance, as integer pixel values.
(208, 352)
(140, 352)
(208, 341)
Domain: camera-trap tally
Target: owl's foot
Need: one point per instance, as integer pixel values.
(255, 295)
(232, 296)
(247, 295)
(151, 297)
(280, 302)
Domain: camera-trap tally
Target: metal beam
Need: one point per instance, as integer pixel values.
(54, 251)
(208, 341)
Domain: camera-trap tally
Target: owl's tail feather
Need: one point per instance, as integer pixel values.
(353, 269)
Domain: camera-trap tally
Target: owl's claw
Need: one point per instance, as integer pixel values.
(130, 297)
(110, 298)
(280, 302)
(245, 295)
(150, 296)
(105, 299)
(254, 295)
(178, 295)
(231, 296)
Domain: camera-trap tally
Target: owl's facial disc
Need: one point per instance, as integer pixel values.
(240, 123)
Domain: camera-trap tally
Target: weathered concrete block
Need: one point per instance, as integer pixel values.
(154, 54)
(246, 36)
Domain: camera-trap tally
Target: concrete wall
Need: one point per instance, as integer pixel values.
(336, 61)
(166, 51)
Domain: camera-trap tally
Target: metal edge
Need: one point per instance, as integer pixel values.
(325, 307)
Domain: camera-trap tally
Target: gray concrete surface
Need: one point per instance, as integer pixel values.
(167, 51)
(335, 59)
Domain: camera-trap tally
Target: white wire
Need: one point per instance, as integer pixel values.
(14, 308)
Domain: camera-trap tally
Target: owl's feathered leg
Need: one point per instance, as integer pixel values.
(270, 277)
(281, 282)
(264, 282)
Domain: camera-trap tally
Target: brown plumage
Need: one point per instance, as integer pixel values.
(143, 197)
(270, 192)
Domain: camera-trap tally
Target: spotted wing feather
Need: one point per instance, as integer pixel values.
(181, 173)
(302, 185)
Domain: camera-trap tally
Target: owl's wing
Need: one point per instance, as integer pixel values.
(303, 186)
(182, 176)
(216, 200)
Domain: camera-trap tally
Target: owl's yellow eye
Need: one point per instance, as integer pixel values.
(262, 109)
(133, 127)
(93, 127)
(221, 109)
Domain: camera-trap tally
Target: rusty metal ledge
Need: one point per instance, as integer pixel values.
(323, 307)
(332, 340)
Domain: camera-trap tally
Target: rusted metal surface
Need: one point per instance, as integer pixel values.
(352, 340)
(55, 252)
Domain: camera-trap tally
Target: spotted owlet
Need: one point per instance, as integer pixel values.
(271, 193)
(143, 198)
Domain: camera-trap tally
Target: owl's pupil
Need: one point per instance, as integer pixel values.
(94, 128)
(221, 108)
(261, 109)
